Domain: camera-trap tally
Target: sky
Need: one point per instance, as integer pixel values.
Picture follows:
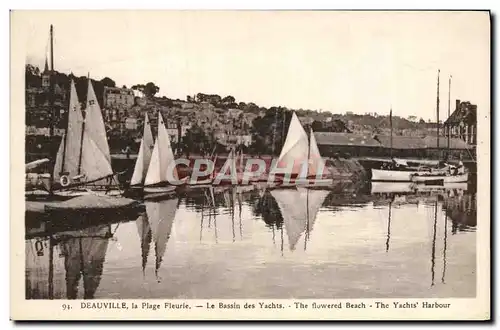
(322, 60)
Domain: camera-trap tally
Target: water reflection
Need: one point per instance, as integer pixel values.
(154, 226)
(56, 264)
(374, 240)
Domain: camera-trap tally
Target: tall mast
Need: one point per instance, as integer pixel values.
(51, 79)
(66, 130)
(51, 99)
(448, 128)
(390, 124)
(309, 152)
(83, 131)
(437, 110)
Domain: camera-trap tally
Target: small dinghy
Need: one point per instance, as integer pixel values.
(157, 181)
(300, 147)
(440, 179)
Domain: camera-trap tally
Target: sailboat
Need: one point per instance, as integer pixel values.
(299, 208)
(156, 182)
(401, 172)
(83, 161)
(300, 153)
(143, 158)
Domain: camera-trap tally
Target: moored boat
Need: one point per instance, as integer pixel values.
(143, 159)
(83, 161)
(158, 181)
(301, 154)
(429, 178)
(393, 175)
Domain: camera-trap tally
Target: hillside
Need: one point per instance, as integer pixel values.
(219, 117)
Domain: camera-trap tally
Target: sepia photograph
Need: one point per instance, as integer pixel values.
(272, 162)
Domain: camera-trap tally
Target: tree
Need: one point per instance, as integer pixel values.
(200, 97)
(269, 132)
(196, 140)
(108, 82)
(215, 99)
(252, 107)
(149, 90)
(317, 126)
(228, 99)
(33, 76)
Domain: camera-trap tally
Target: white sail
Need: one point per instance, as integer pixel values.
(94, 123)
(94, 163)
(144, 156)
(161, 216)
(68, 155)
(95, 158)
(295, 149)
(316, 162)
(161, 157)
(299, 208)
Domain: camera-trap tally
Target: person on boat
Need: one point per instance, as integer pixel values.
(127, 151)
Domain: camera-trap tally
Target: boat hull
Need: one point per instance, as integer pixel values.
(440, 178)
(394, 176)
(159, 190)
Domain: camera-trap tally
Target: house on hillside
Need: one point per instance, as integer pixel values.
(462, 123)
(306, 120)
(37, 101)
(115, 97)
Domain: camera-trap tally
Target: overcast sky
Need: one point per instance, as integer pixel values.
(336, 61)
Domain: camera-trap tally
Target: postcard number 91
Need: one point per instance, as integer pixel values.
(66, 307)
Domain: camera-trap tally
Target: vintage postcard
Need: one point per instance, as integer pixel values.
(250, 165)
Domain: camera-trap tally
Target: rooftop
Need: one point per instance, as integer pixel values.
(384, 141)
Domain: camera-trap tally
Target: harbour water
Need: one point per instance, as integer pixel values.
(282, 243)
